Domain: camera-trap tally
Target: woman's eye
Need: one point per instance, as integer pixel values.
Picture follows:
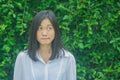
(49, 28)
(40, 28)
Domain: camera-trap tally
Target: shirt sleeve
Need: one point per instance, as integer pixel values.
(71, 69)
(18, 68)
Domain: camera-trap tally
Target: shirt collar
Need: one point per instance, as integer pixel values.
(39, 57)
(64, 53)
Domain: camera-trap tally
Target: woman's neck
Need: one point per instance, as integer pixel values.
(45, 49)
(45, 52)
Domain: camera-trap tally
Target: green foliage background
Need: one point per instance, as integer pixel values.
(90, 29)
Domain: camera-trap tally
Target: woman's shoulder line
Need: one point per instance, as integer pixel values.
(68, 53)
(23, 53)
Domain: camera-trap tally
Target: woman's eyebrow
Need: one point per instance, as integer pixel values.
(47, 25)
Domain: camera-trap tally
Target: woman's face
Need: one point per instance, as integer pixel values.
(45, 32)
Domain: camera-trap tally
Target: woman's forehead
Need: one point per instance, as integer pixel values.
(46, 21)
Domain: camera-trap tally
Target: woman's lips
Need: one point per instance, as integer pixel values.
(44, 38)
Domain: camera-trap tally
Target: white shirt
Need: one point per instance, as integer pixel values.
(58, 69)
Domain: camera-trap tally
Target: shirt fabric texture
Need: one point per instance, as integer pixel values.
(63, 68)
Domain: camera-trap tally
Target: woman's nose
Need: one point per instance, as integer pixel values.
(44, 32)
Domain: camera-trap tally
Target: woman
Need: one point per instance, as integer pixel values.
(46, 57)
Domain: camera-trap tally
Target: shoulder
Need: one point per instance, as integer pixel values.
(22, 55)
(69, 55)
(69, 58)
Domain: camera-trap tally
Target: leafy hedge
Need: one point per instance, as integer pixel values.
(90, 30)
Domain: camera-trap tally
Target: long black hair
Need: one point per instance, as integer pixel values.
(33, 46)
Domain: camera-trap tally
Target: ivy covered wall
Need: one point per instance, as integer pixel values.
(90, 30)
